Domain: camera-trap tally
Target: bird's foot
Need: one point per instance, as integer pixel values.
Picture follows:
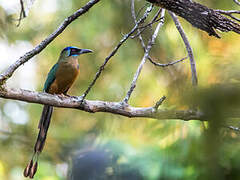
(64, 95)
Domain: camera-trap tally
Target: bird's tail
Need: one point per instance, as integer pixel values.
(43, 126)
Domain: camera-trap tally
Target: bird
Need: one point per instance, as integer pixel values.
(60, 78)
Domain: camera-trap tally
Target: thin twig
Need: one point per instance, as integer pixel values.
(155, 19)
(188, 47)
(151, 23)
(141, 29)
(230, 13)
(22, 13)
(159, 103)
(140, 10)
(234, 128)
(148, 10)
(23, 59)
(145, 57)
(142, 41)
(135, 21)
(168, 64)
(237, 2)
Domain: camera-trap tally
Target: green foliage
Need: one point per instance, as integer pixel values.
(154, 149)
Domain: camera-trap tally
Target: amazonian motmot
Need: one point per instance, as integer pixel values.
(59, 80)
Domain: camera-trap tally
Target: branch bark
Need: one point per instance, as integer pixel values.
(199, 16)
(99, 106)
(23, 59)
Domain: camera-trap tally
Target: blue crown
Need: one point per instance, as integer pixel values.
(70, 47)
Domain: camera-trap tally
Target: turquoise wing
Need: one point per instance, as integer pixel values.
(50, 78)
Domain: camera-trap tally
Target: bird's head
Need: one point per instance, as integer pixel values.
(72, 51)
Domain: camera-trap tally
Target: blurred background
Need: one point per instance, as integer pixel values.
(105, 146)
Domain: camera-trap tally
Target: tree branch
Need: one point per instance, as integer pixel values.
(199, 16)
(237, 129)
(140, 21)
(23, 59)
(145, 57)
(188, 47)
(144, 27)
(22, 13)
(230, 14)
(99, 106)
(167, 64)
(237, 2)
(139, 35)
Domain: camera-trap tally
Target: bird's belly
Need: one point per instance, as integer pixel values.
(65, 76)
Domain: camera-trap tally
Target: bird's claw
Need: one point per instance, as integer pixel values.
(64, 95)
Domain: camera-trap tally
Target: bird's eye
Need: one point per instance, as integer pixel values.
(74, 50)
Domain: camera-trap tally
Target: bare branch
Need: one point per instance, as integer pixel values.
(135, 21)
(230, 14)
(148, 10)
(142, 42)
(144, 27)
(146, 55)
(188, 47)
(99, 106)
(152, 22)
(199, 16)
(159, 103)
(141, 9)
(168, 64)
(22, 13)
(23, 59)
(237, 129)
(237, 2)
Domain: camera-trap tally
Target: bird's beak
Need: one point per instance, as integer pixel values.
(83, 51)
